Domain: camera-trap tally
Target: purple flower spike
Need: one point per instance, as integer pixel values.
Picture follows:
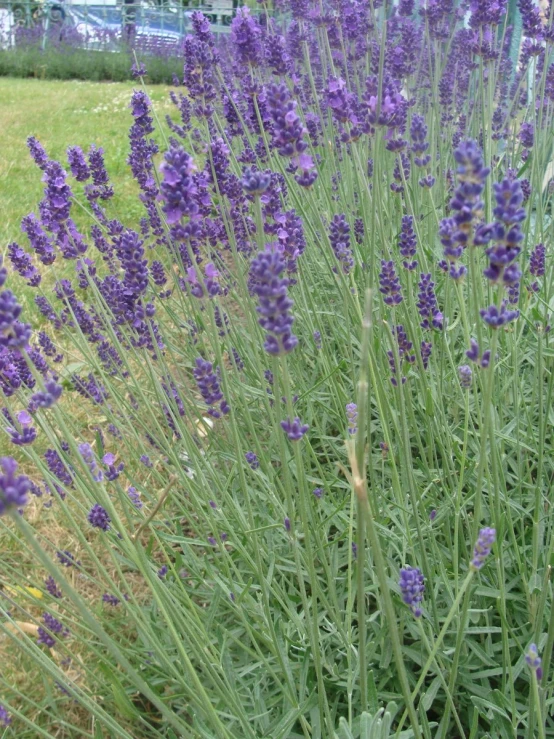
(54, 626)
(527, 135)
(98, 517)
(208, 383)
(52, 587)
(389, 284)
(178, 188)
(466, 376)
(13, 334)
(246, 38)
(427, 304)
(407, 243)
(23, 264)
(412, 587)
(287, 524)
(295, 429)
(78, 164)
(483, 547)
(5, 718)
(134, 497)
(534, 661)
(318, 493)
(90, 460)
(13, 489)
(37, 152)
(537, 265)
(274, 304)
(339, 237)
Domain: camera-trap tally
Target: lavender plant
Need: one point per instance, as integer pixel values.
(294, 508)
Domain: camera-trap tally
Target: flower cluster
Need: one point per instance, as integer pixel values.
(412, 587)
(208, 382)
(274, 304)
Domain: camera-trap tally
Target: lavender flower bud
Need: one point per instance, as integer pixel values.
(483, 547)
(252, 460)
(352, 415)
(465, 375)
(534, 661)
(98, 517)
(412, 588)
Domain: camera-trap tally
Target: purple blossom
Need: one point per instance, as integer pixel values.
(426, 348)
(52, 587)
(389, 283)
(339, 237)
(113, 470)
(427, 304)
(252, 460)
(246, 37)
(67, 559)
(138, 71)
(85, 450)
(26, 433)
(5, 718)
(134, 497)
(78, 164)
(208, 383)
(287, 524)
(318, 492)
(45, 398)
(23, 264)
(13, 488)
(110, 600)
(162, 572)
(54, 627)
(466, 375)
(255, 182)
(178, 188)
(418, 134)
(37, 152)
(496, 317)
(407, 243)
(274, 305)
(295, 429)
(98, 517)
(412, 587)
(527, 135)
(13, 333)
(483, 547)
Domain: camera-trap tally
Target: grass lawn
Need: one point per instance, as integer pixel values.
(62, 114)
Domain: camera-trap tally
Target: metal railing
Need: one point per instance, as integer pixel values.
(103, 24)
